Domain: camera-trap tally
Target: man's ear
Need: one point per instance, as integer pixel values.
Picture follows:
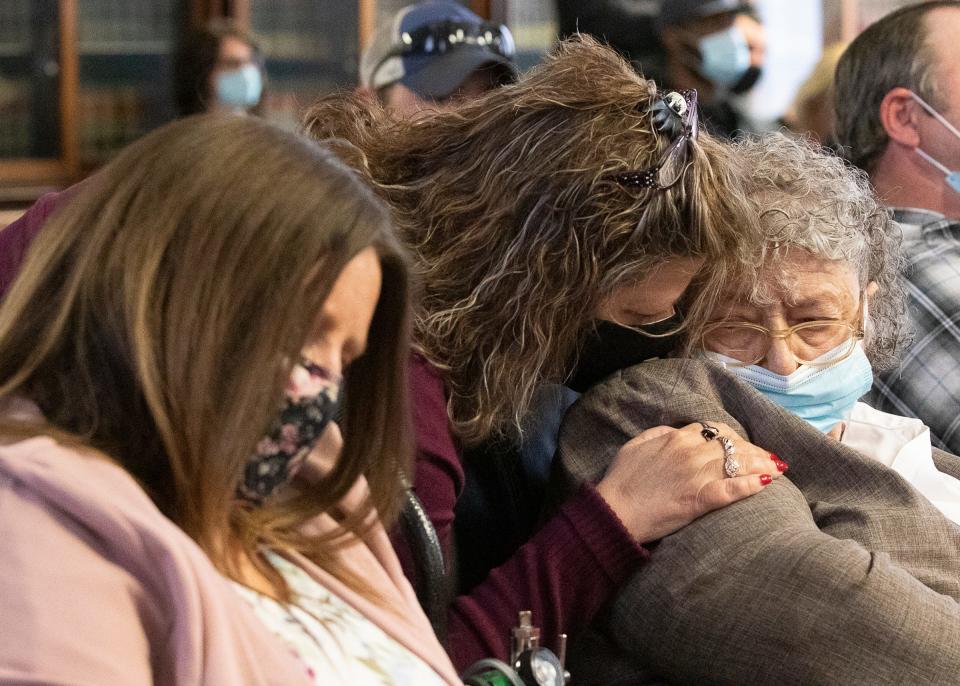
(899, 116)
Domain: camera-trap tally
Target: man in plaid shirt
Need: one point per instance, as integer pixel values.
(897, 105)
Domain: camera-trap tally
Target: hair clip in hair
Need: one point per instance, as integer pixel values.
(668, 114)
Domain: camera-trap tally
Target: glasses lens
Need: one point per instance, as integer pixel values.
(815, 339)
(743, 343)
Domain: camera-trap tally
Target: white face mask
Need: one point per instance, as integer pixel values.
(951, 177)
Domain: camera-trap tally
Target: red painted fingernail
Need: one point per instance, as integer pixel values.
(773, 456)
(766, 479)
(782, 466)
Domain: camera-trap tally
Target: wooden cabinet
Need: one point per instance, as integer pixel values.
(310, 47)
(80, 79)
(124, 72)
(38, 76)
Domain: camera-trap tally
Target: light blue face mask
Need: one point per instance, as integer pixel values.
(724, 56)
(823, 396)
(951, 177)
(240, 88)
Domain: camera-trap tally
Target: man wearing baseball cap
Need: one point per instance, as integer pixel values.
(717, 47)
(434, 54)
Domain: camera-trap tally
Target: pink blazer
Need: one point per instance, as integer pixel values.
(98, 587)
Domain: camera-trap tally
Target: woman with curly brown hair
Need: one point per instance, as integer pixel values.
(554, 225)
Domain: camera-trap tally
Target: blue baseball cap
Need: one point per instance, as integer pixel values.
(432, 47)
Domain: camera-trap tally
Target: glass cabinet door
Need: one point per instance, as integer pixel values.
(125, 52)
(30, 115)
(534, 27)
(310, 48)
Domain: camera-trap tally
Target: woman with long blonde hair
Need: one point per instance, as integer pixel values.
(174, 508)
(554, 224)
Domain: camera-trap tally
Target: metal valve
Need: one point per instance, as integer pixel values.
(530, 664)
(535, 665)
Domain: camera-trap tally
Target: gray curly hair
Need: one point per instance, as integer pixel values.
(811, 199)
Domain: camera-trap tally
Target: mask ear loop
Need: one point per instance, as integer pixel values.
(943, 120)
(934, 162)
(936, 115)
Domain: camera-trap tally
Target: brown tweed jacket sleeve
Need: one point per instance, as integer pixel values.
(841, 574)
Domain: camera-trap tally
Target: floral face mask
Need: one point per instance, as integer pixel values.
(311, 400)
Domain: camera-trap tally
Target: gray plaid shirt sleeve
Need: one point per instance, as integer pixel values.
(927, 382)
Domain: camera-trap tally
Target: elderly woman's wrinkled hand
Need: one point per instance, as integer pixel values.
(665, 478)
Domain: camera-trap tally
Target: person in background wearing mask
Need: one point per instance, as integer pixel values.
(629, 26)
(716, 47)
(433, 55)
(218, 68)
(897, 105)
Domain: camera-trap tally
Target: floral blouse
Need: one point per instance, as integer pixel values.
(336, 644)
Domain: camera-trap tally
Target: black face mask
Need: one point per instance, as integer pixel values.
(747, 81)
(612, 347)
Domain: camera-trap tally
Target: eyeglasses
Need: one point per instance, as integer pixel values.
(441, 37)
(664, 327)
(675, 159)
(750, 343)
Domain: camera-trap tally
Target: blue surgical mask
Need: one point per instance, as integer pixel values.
(240, 88)
(724, 57)
(821, 395)
(952, 177)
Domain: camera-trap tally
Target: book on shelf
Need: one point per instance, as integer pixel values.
(126, 25)
(109, 119)
(15, 26)
(16, 115)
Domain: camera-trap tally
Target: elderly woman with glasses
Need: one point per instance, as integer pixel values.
(825, 310)
(848, 570)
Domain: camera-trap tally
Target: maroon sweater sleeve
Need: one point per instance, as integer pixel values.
(16, 238)
(564, 574)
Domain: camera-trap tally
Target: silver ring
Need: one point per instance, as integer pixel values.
(708, 432)
(730, 465)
